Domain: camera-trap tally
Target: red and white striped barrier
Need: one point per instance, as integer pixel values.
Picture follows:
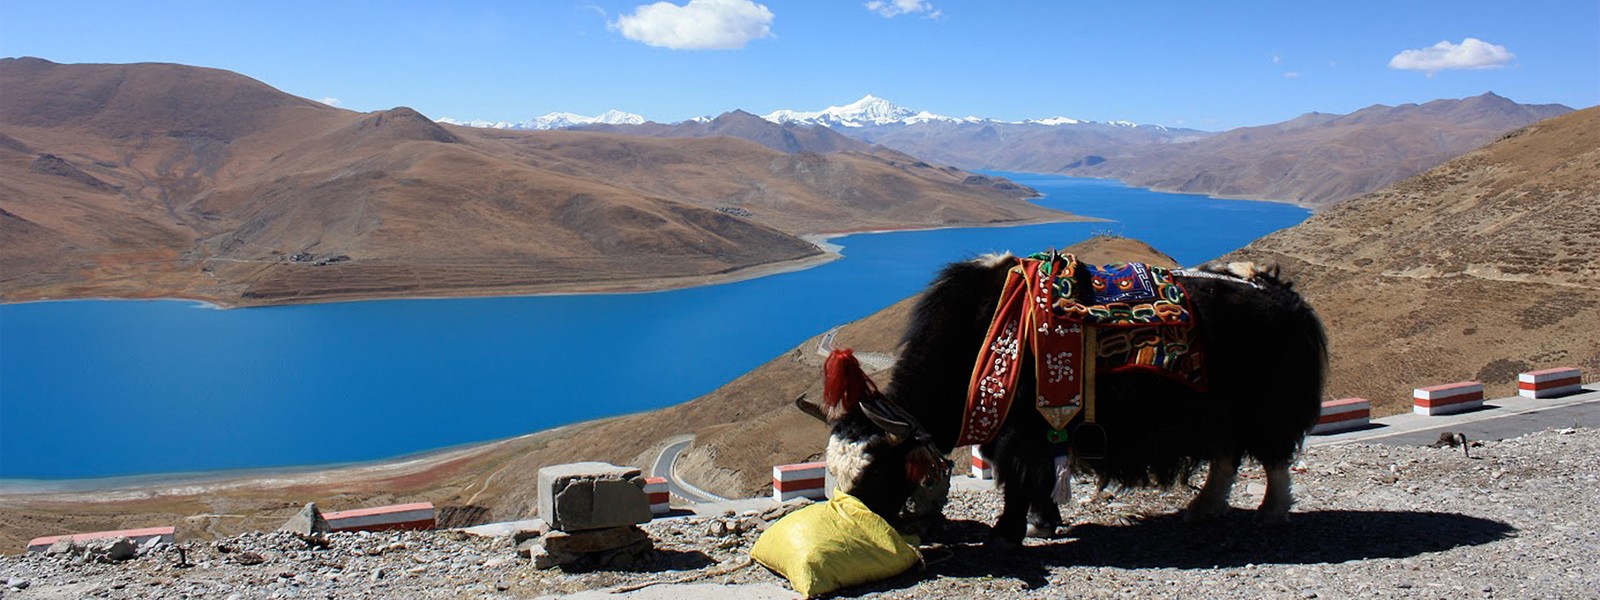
(805, 480)
(660, 498)
(981, 467)
(1343, 415)
(417, 516)
(1448, 399)
(1549, 382)
(137, 536)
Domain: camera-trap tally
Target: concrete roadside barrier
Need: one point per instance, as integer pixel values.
(660, 498)
(981, 467)
(1343, 415)
(1548, 383)
(1448, 399)
(137, 536)
(804, 480)
(418, 516)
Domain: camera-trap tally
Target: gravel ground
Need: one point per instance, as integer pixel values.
(1516, 519)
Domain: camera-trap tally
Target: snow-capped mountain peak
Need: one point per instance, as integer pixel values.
(869, 110)
(559, 120)
(555, 120)
(1055, 121)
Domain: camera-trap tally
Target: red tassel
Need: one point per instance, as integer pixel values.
(844, 384)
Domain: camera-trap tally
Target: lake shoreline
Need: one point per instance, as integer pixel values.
(826, 252)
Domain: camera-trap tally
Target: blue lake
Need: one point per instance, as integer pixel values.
(108, 388)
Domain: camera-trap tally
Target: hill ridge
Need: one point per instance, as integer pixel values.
(213, 183)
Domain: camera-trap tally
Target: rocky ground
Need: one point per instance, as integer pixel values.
(1510, 519)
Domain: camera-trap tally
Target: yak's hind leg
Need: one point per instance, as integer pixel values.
(1275, 507)
(1212, 501)
(1044, 517)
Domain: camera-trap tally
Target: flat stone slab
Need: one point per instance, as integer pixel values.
(308, 521)
(508, 528)
(594, 540)
(592, 495)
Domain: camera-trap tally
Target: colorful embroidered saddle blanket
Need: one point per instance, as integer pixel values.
(1130, 316)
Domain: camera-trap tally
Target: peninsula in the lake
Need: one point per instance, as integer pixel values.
(162, 180)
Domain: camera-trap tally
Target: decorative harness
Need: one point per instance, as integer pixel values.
(1136, 318)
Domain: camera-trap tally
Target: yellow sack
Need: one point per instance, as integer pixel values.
(833, 544)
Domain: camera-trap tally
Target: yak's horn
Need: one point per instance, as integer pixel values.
(894, 421)
(806, 407)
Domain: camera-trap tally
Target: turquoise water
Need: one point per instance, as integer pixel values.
(104, 388)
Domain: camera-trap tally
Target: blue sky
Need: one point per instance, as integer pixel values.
(1207, 65)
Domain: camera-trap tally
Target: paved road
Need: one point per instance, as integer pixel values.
(666, 466)
(1499, 419)
(871, 362)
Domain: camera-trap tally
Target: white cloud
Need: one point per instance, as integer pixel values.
(1471, 53)
(698, 25)
(330, 101)
(894, 8)
(1291, 75)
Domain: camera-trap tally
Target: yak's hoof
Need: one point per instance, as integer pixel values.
(1048, 532)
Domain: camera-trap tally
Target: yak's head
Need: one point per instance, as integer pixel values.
(877, 452)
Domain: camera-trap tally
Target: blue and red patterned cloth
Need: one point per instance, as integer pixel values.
(1137, 318)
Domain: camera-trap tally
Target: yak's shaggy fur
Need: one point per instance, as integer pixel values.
(1266, 355)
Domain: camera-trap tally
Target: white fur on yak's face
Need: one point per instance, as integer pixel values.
(847, 461)
(867, 465)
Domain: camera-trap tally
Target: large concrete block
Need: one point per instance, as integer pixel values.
(591, 495)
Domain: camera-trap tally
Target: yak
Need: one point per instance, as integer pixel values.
(1264, 363)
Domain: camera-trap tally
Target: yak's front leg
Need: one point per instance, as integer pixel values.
(1213, 498)
(1012, 525)
(1029, 508)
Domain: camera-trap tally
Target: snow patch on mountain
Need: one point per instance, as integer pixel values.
(872, 111)
(555, 120)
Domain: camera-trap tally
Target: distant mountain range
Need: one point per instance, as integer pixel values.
(555, 120)
(162, 180)
(869, 111)
(872, 111)
(1315, 159)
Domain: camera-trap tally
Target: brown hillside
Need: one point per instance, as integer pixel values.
(1319, 159)
(156, 180)
(1481, 268)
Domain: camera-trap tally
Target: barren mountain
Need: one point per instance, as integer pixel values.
(158, 180)
(1481, 268)
(1318, 159)
(1031, 147)
(746, 126)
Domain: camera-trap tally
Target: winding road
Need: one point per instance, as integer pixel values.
(666, 467)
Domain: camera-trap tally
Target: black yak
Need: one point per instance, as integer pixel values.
(1254, 389)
